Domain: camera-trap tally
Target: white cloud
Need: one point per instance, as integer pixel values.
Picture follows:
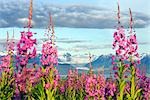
(3, 23)
(140, 22)
(24, 21)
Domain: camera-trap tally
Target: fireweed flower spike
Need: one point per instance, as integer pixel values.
(90, 63)
(49, 49)
(6, 60)
(120, 46)
(7, 41)
(132, 41)
(95, 87)
(110, 89)
(30, 16)
(6, 73)
(5, 63)
(12, 45)
(50, 77)
(26, 46)
(134, 91)
(25, 80)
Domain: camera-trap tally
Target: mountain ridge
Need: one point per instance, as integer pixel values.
(102, 62)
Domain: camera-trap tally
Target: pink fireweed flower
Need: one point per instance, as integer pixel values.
(144, 83)
(95, 87)
(70, 79)
(27, 77)
(49, 50)
(74, 82)
(47, 86)
(115, 68)
(101, 85)
(56, 78)
(26, 45)
(132, 41)
(132, 46)
(120, 43)
(125, 46)
(51, 77)
(5, 63)
(26, 48)
(127, 87)
(110, 88)
(11, 47)
(55, 83)
(49, 54)
(146, 89)
(62, 89)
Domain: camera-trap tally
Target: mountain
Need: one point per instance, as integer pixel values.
(106, 62)
(102, 62)
(64, 68)
(145, 63)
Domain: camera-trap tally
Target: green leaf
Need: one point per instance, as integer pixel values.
(136, 93)
(122, 88)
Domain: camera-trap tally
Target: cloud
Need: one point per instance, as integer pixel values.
(77, 16)
(23, 21)
(66, 40)
(67, 56)
(71, 41)
(144, 43)
(85, 47)
(91, 47)
(3, 23)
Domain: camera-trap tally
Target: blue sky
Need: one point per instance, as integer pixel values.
(82, 26)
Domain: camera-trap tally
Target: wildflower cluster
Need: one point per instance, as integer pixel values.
(43, 82)
(25, 48)
(95, 87)
(49, 50)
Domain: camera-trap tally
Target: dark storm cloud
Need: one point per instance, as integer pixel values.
(14, 14)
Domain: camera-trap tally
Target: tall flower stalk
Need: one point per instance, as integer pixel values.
(120, 46)
(48, 85)
(7, 72)
(10, 44)
(134, 91)
(126, 50)
(26, 45)
(25, 77)
(49, 49)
